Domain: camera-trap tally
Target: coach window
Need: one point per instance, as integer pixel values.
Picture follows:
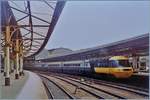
(95, 64)
(101, 64)
(111, 64)
(98, 64)
(105, 64)
(86, 64)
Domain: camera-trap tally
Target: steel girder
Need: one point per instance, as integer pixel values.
(33, 41)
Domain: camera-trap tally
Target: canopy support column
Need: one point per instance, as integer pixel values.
(7, 62)
(17, 59)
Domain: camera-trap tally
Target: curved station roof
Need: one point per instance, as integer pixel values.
(31, 21)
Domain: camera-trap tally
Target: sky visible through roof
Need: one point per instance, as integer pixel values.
(85, 24)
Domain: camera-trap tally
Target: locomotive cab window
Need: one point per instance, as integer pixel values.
(113, 63)
(124, 63)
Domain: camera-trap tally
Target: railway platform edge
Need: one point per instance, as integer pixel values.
(29, 86)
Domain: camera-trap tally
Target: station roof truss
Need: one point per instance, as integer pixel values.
(136, 46)
(31, 21)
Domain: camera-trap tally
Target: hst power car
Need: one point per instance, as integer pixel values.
(118, 66)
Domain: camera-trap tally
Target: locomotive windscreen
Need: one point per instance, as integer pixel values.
(124, 63)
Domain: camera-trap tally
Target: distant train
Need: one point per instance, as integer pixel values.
(117, 66)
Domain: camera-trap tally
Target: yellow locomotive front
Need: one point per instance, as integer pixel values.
(122, 68)
(118, 66)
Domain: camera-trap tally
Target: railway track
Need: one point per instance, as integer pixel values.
(113, 85)
(98, 93)
(139, 83)
(74, 97)
(48, 91)
(102, 89)
(115, 82)
(136, 90)
(125, 92)
(55, 91)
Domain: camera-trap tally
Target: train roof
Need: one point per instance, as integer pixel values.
(119, 58)
(111, 58)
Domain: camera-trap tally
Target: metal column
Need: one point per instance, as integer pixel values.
(21, 65)
(7, 62)
(4, 62)
(12, 66)
(135, 63)
(17, 59)
(21, 58)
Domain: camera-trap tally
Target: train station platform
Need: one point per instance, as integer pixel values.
(141, 74)
(28, 86)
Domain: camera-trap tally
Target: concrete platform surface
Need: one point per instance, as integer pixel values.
(29, 86)
(141, 74)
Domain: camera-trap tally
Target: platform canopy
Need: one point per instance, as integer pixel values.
(135, 46)
(32, 22)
